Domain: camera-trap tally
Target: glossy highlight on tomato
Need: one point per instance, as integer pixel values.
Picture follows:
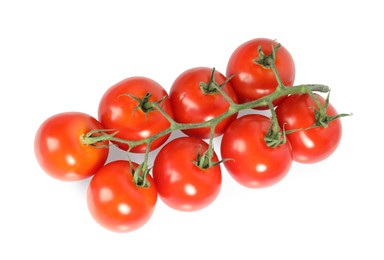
(116, 202)
(250, 161)
(181, 184)
(191, 104)
(252, 81)
(311, 145)
(120, 112)
(60, 151)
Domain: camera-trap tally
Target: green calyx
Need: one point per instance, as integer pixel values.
(212, 86)
(140, 174)
(143, 103)
(267, 61)
(275, 138)
(322, 119)
(204, 161)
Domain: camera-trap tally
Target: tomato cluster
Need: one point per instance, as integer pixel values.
(137, 115)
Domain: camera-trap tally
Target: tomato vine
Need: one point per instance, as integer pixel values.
(273, 138)
(138, 115)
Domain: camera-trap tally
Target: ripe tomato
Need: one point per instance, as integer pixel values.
(251, 162)
(313, 145)
(191, 105)
(59, 150)
(114, 200)
(252, 81)
(181, 184)
(122, 114)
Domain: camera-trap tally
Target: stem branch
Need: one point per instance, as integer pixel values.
(233, 109)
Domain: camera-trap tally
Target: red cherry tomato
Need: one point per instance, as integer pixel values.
(181, 184)
(122, 114)
(59, 150)
(313, 145)
(116, 202)
(251, 162)
(191, 105)
(252, 81)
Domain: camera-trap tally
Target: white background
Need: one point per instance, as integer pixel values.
(58, 56)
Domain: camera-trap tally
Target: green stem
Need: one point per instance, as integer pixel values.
(210, 86)
(210, 145)
(321, 108)
(268, 61)
(275, 124)
(233, 109)
(165, 114)
(274, 136)
(209, 153)
(280, 84)
(204, 161)
(224, 94)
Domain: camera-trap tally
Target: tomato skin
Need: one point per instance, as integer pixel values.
(114, 200)
(313, 145)
(191, 105)
(252, 163)
(59, 150)
(120, 112)
(252, 81)
(181, 184)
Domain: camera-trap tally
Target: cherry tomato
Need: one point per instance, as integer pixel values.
(59, 150)
(252, 81)
(116, 202)
(123, 114)
(251, 162)
(191, 104)
(181, 184)
(313, 145)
